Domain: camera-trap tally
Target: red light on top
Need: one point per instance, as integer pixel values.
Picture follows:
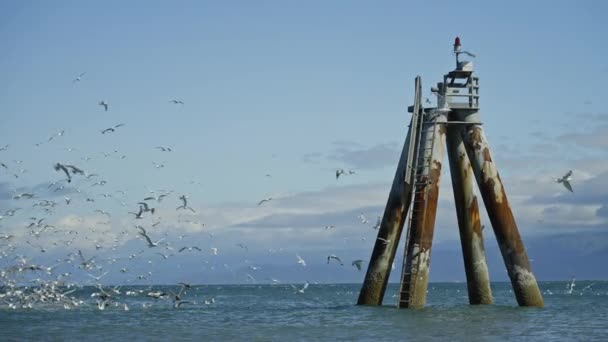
(457, 42)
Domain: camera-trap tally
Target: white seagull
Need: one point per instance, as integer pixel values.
(150, 243)
(300, 290)
(566, 180)
(77, 79)
(384, 241)
(189, 248)
(300, 260)
(570, 287)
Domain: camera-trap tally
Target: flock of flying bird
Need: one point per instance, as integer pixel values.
(56, 283)
(46, 284)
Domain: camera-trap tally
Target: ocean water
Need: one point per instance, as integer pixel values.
(321, 313)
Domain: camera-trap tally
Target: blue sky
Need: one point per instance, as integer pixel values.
(295, 90)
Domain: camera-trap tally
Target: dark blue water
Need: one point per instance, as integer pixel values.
(321, 313)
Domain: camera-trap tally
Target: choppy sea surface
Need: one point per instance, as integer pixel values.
(321, 313)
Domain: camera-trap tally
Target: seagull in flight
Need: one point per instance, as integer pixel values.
(340, 172)
(189, 249)
(23, 195)
(566, 180)
(357, 263)
(103, 212)
(146, 208)
(104, 104)
(86, 264)
(378, 223)
(59, 134)
(164, 256)
(164, 149)
(333, 256)
(570, 287)
(264, 200)
(177, 102)
(157, 198)
(384, 241)
(300, 260)
(185, 204)
(67, 169)
(300, 290)
(97, 278)
(363, 218)
(79, 78)
(111, 129)
(145, 235)
(138, 215)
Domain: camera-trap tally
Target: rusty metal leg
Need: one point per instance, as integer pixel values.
(379, 268)
(418, 257)
(469, 223)
(496, 203)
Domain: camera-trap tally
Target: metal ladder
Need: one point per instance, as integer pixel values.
(418, 206)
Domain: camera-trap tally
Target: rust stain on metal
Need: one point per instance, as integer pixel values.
(431, 208)
(374, 287)
(423, 224)
(473, 210)
(469, 222)
(379, 267)
(502, 219)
